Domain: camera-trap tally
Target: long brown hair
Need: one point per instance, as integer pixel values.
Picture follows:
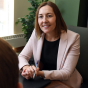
(60, 24)
(9, 71)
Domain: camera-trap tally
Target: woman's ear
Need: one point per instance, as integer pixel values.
(19, 85)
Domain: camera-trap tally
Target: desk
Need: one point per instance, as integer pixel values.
(53, 84)
(57, 84)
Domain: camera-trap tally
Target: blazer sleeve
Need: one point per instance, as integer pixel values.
(27, 52)
(70, 63)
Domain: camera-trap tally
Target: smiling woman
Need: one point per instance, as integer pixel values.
(55, 47)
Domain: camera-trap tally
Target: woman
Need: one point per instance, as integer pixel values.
(56, 48)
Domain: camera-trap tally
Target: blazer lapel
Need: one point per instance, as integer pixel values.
(61, 50)
(39, 47)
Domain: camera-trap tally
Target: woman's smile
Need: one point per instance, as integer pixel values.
(46, 26)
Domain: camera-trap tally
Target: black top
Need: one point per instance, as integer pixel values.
(49, 55)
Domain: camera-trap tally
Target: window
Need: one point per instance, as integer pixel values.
(6, 17)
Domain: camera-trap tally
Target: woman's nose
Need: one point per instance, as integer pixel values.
(45, 19)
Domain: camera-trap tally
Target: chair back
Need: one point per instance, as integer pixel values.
(82, 65)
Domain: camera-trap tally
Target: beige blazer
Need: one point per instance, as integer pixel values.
(67, 58)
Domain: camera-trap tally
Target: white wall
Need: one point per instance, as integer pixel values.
(20, 10)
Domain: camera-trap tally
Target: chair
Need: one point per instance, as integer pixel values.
(82, 65)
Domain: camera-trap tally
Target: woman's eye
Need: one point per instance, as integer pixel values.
(40, 16)
(49, 16)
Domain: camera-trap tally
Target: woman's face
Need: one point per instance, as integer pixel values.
(47, 19)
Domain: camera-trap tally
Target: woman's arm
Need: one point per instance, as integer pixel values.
(27, 52)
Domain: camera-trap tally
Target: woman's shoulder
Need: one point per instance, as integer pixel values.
(72, 35)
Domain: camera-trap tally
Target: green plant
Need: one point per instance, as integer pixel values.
(28, 20)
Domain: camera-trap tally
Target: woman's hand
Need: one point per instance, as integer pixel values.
(28, 71)
(37, 72)
(40, 73)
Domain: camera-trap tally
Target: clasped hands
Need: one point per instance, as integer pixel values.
(28, 71)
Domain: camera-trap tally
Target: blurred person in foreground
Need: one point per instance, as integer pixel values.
(9, 71)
